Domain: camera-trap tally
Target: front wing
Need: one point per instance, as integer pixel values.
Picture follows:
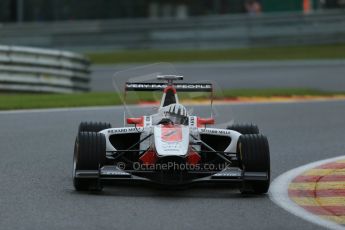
(110, 174)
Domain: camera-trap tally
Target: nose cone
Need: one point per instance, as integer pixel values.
(171, 140)
(171, 170)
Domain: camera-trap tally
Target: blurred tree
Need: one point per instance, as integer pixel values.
(8, 11)
(50, 10)
(334, 4)
(286, 5)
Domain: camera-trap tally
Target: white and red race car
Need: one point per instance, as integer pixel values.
(171, 147)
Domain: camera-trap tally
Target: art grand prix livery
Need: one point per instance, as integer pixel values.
(171, 147)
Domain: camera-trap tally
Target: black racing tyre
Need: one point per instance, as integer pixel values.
(244, 128)
(93, 126)
(254, 156)
(89, 154)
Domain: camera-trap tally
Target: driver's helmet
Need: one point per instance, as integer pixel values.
(177, 113)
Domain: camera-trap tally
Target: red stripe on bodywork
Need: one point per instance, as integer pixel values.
(193, 158)
(138, 121)
(148, 158)
(170, 88)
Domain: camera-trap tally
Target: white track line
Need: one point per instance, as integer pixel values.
(279, 194)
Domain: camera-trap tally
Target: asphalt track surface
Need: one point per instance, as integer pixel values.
(324, 75)
(36, 167)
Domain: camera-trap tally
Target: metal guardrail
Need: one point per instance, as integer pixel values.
(24, 69)
(196, 32)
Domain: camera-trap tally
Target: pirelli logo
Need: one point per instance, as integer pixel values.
(182, 87)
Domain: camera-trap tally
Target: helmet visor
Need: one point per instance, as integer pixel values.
(177, 119)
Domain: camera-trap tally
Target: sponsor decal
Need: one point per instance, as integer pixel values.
(171, 134)
(216, 131)
(192, 122)
(148, 121)
(180, 86)
(228, 174)
(195, 86)
(122, 130)
(145, 86)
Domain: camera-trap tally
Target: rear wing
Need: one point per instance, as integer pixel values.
(180, 87)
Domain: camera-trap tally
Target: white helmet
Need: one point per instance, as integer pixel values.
(177, 113)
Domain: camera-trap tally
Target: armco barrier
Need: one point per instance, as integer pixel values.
(25, 69)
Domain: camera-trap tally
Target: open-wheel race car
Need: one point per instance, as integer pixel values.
(171, 147)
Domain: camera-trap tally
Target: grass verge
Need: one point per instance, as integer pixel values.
(335, 51)
(36, 101)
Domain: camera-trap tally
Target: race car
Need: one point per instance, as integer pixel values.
(171, 147)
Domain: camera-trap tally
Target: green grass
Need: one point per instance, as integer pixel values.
(335, 51)
(276, 92)
(31, 101)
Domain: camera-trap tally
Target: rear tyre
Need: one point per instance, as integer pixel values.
(254, 156)
(93, 126)
(244, 128)
(89, 153)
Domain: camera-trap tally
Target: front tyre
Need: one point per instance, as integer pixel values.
(89, 154)
(93, 126)
(254, 155)
(244, 128)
